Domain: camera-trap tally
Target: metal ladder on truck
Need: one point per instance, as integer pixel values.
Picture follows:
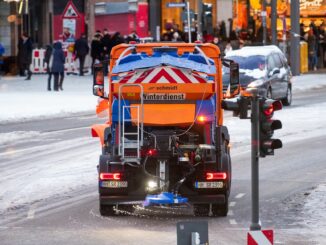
(126, 144)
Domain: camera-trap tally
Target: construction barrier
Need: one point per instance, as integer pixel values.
(38, 66)
(260, 237)
(303, 57)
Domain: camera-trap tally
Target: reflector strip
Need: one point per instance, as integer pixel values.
(162, 75)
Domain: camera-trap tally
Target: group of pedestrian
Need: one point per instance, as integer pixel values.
(55, 60)
(316, 40)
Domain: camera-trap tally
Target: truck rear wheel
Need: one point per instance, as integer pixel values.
(107, 210)
(201, 210)
(221, 209)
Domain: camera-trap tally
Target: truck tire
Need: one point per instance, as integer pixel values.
(201, 210)
(226, 167)
(107, 210)
(221, 209)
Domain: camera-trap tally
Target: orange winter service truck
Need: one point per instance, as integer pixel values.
(164, 142)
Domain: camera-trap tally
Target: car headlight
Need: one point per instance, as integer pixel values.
(255, 84)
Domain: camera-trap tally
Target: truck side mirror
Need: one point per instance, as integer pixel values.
(234, 83)
(234, 79)
(98, 80)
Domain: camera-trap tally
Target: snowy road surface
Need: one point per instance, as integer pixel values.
(48, 192)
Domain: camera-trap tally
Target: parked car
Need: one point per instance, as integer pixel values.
(265, 68)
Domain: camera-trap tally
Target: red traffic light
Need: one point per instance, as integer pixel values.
(270, 106)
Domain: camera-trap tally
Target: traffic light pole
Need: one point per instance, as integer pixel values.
(274, 22)
(263, 15)
(255, 223)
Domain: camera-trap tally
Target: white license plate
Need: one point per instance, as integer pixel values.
(217, 184)
(114, 184)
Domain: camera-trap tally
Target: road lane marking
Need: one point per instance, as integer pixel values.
(232, 204)
(233, 222)
(67, 129)
(240, 195)
(230, 213)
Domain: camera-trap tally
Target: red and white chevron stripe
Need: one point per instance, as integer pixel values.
(165, 74)
(261, 237)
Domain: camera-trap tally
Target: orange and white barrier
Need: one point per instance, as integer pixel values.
(38, 66)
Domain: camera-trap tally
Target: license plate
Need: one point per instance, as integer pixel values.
(201, 185)
(114, 184)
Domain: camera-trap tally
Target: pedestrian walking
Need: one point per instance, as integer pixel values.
(311, 50)
(81, 50)
(47, 58)
(25, 50)
(96, 49)
(57, 68)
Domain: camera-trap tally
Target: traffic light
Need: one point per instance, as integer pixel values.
(267, 125)
(238, 105)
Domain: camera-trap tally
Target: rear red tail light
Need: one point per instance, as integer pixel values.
(216, 176)
(110, 176)
(148, 152)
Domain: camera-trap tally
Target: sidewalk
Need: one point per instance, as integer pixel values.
(22, 100)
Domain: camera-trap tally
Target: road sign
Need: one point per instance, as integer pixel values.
(184, 16)
(264, 237)
(192, 232)
(70, 11)
(176, 5)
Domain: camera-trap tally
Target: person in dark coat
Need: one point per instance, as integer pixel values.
(106, 42)
(312, 50)
(96, 49)
(25, 50)
(107, 47)
(47, 58)
(117, 39)
(81, 50)
(57, 68)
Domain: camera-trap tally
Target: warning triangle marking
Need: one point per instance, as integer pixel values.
(70, 12)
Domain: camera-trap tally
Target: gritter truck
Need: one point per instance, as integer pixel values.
(164, 142)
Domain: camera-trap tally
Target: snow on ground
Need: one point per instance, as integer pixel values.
(308, 81)
(22, 100)
(47, 171)
(315, 207)
(7, 138)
